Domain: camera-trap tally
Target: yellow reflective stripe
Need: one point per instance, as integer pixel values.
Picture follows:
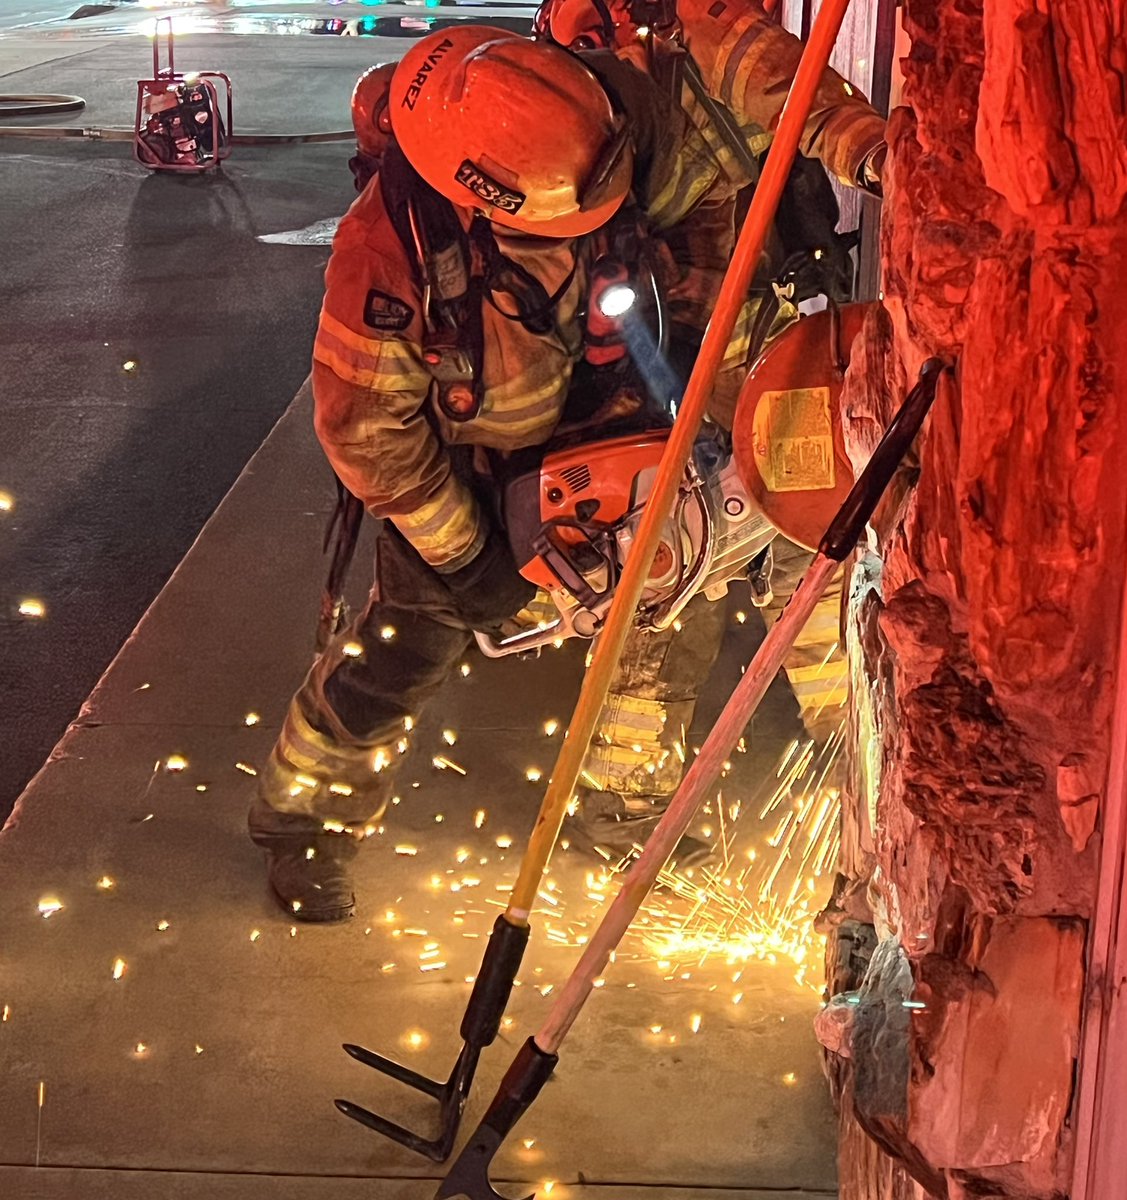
(729, 44)
(379, 364)
(508, 410)
(834, 670)
(628, 740)
(348, 337)
(680, 195)
(740, 341)
(694, 172)
(617, 768)
(435, 513)
(444, 528)
(755, 138)
(632, 721)
(816, 701)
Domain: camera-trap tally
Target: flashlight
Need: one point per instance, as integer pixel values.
(617, 300)
(610, 297)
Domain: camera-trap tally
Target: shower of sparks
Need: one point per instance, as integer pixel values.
(747, 904)
(774, 844)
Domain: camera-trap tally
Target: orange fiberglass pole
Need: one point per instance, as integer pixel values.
(671, 471)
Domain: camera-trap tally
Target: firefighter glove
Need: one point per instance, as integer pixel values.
(490, 589)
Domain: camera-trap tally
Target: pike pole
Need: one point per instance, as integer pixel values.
(671, 470)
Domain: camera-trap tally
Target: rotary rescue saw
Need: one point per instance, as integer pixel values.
(571, 519)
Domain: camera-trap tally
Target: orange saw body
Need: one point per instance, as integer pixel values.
(571, 524)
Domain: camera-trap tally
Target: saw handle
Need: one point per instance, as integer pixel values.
(847, 527)
(565, 570)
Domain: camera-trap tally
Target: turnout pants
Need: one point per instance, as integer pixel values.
(332, 770)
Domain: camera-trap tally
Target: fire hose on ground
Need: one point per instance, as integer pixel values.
(494, 981)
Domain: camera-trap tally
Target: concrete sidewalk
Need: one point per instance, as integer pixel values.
(188, 1038)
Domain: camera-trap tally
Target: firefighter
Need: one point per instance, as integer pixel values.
(449, 337)
(449, 334)
(729, 67)
(739, 60)
(372, 122)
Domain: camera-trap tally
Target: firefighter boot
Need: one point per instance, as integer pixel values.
(637, 756)
(618, 826)
(313, 807)
(307, 865)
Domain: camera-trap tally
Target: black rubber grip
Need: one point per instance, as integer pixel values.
(858, 507)
(494, 983)
(527, 1074)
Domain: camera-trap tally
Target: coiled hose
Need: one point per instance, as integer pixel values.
(47, 105)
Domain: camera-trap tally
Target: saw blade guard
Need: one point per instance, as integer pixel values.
(787, 437)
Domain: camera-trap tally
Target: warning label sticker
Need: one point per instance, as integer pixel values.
(794, 445)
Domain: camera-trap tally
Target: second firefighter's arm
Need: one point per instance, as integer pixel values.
(370, 392)
(747, 63)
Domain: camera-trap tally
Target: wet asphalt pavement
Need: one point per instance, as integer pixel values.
(150, 344)
(150, 341)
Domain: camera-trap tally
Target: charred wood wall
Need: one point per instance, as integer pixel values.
(983, 620)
